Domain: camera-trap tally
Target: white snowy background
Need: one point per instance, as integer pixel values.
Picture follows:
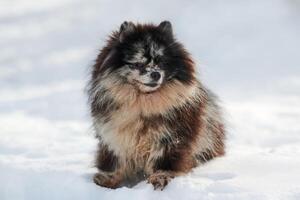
(248, 52)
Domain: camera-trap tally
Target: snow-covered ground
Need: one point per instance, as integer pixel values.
(247, 52)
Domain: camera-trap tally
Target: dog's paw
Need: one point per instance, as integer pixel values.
(106, 180)
(160, 179)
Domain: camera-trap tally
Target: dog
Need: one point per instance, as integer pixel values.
(153, 117)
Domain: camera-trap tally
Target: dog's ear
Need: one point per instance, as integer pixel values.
(166, 27)
(125, 29)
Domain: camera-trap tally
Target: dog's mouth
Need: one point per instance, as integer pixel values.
(151, 84)
(147, 87)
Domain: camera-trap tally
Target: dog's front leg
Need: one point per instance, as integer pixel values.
(167, 163)
(109, 174)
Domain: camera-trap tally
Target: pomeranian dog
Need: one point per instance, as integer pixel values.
(153, 117)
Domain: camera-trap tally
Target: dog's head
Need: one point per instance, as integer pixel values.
(147, 56)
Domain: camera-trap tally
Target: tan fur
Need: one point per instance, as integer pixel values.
(165, 98)
(110, 180)
(160, 179)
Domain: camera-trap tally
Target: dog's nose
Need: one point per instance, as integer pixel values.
(155, 76)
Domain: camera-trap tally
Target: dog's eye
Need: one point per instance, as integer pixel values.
(139, 65)
(136, 65)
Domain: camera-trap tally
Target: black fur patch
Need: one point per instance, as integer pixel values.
(103, 107)
(169, 161)
(175, 61)
(106, 160)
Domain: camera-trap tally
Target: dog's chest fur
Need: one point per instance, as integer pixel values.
(134, 130)
(127, 135)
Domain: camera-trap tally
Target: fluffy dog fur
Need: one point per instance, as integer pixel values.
(152, 117)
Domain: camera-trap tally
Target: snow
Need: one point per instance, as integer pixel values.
(247, 52)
